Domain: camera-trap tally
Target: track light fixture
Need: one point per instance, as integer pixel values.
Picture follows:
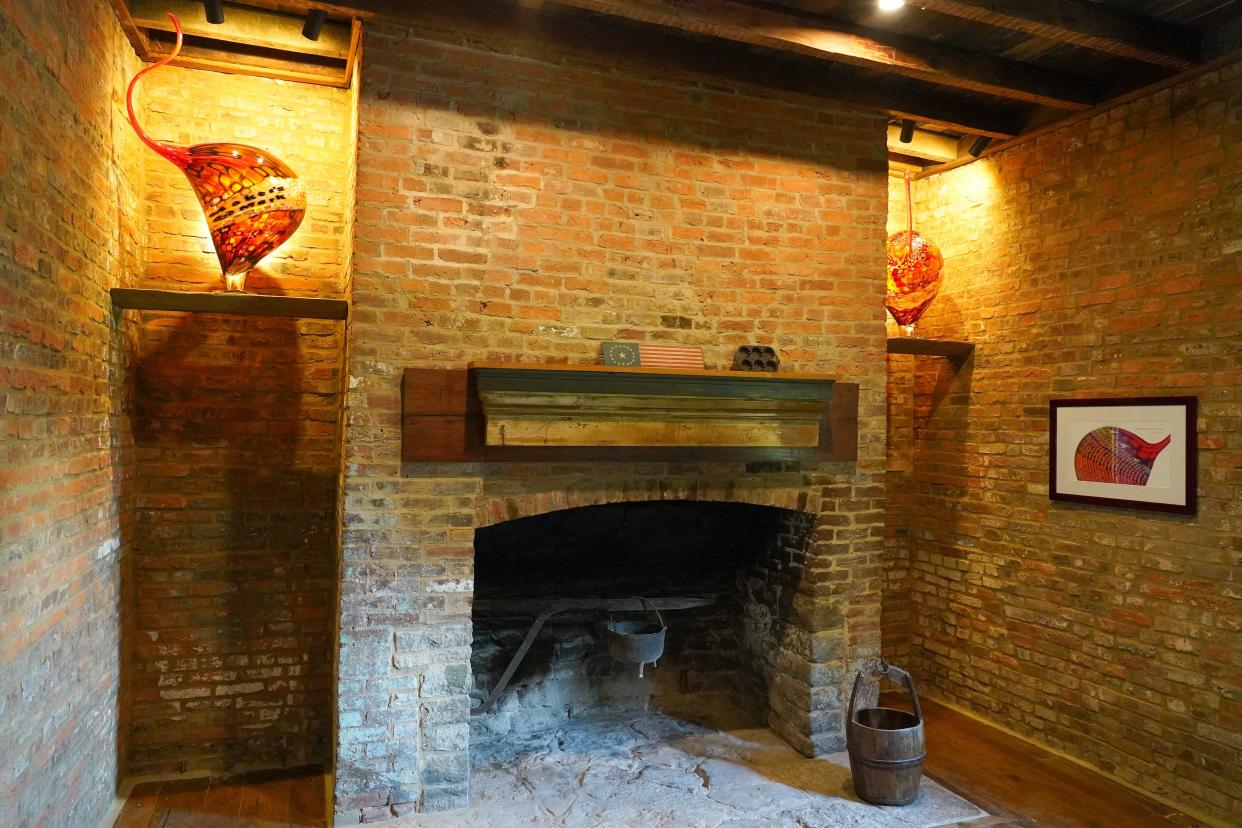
(907, 131)
(980, 144)
(314, 24)
(214, 10)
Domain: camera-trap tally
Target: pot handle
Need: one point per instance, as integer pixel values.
(652, 607)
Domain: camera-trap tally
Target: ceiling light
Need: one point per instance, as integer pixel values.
(907, 131)
(890, 5)
(214, 10)
(314, 24)
(980, 144)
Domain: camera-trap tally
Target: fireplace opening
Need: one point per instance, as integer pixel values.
(726, 575)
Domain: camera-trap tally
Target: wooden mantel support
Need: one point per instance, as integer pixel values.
(511, 412)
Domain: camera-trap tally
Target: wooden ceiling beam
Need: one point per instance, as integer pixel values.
(924, 144)
(205, 55)
(1087, 25)
(253, 27)
(725, 58)
(826, 40)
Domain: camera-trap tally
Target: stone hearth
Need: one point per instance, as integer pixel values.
(664, 771)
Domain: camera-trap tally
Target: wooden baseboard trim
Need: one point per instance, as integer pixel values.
(1176, 806)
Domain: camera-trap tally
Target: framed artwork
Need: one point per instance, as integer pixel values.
(1132, 452)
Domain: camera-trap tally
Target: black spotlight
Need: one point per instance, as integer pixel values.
(214, 10)
(314, 24)
(980, 144)
(907, 131)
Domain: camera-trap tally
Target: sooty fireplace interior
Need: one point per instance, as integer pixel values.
(727, 574)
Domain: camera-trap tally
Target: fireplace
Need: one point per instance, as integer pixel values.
(788, 556)
(480, 236)
(725, 573)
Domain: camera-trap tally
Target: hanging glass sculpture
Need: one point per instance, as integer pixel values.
(252, 201)
(914, 272)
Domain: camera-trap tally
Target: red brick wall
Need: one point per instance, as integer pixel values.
(237, 430)
(1104, 258)
(523, 199)
(898, 504)
(68, 232)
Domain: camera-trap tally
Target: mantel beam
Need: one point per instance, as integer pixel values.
(528, 413)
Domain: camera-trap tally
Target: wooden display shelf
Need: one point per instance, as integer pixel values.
(512, 412)
(300, 307)
(957, 351)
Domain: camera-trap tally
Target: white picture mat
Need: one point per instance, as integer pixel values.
(1153, 423)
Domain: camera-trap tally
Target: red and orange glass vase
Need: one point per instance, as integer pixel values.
(915, 271)
(253, 201)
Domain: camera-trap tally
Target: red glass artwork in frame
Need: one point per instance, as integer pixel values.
(253, 201)
(915, 271)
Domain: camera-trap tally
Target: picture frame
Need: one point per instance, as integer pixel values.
(1128, 452)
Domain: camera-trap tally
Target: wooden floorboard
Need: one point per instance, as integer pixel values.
(267, 799)
(1018, 781)
(1020, 784)
(181, 803)
(141, 806)
(307, 805)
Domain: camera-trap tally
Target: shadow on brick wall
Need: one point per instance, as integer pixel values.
(228, 659)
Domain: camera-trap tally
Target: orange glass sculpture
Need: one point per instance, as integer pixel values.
(915, 270)
(253, 202)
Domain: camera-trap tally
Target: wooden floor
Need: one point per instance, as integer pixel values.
(1023, 785)
(271, 798)
(1019, 784)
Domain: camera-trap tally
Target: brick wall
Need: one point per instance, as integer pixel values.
(68, 232)
(1104, 258)
(519, 198)
(899, 488)
(237, 434)
(898, 503)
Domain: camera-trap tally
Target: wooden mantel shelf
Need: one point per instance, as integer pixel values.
(300, 307)
(957, 351)
(511, 411)
(661, 373)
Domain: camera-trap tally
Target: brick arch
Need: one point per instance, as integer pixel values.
(493, 509)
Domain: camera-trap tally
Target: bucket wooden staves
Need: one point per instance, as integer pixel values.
(886, 746)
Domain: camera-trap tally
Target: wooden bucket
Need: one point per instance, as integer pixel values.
(886, 746)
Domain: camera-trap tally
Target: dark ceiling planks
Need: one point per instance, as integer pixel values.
(819, 38)
(966, 67)
(1088, 25)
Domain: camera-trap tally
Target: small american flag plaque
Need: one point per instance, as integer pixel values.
(646, 355)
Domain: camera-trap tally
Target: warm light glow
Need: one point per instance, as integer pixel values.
(890, 5)
(978, 185)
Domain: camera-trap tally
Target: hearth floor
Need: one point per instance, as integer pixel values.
(660, 771)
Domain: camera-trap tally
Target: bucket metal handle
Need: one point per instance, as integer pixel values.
(894, 674)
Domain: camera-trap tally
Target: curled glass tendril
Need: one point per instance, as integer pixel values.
(252, 201)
